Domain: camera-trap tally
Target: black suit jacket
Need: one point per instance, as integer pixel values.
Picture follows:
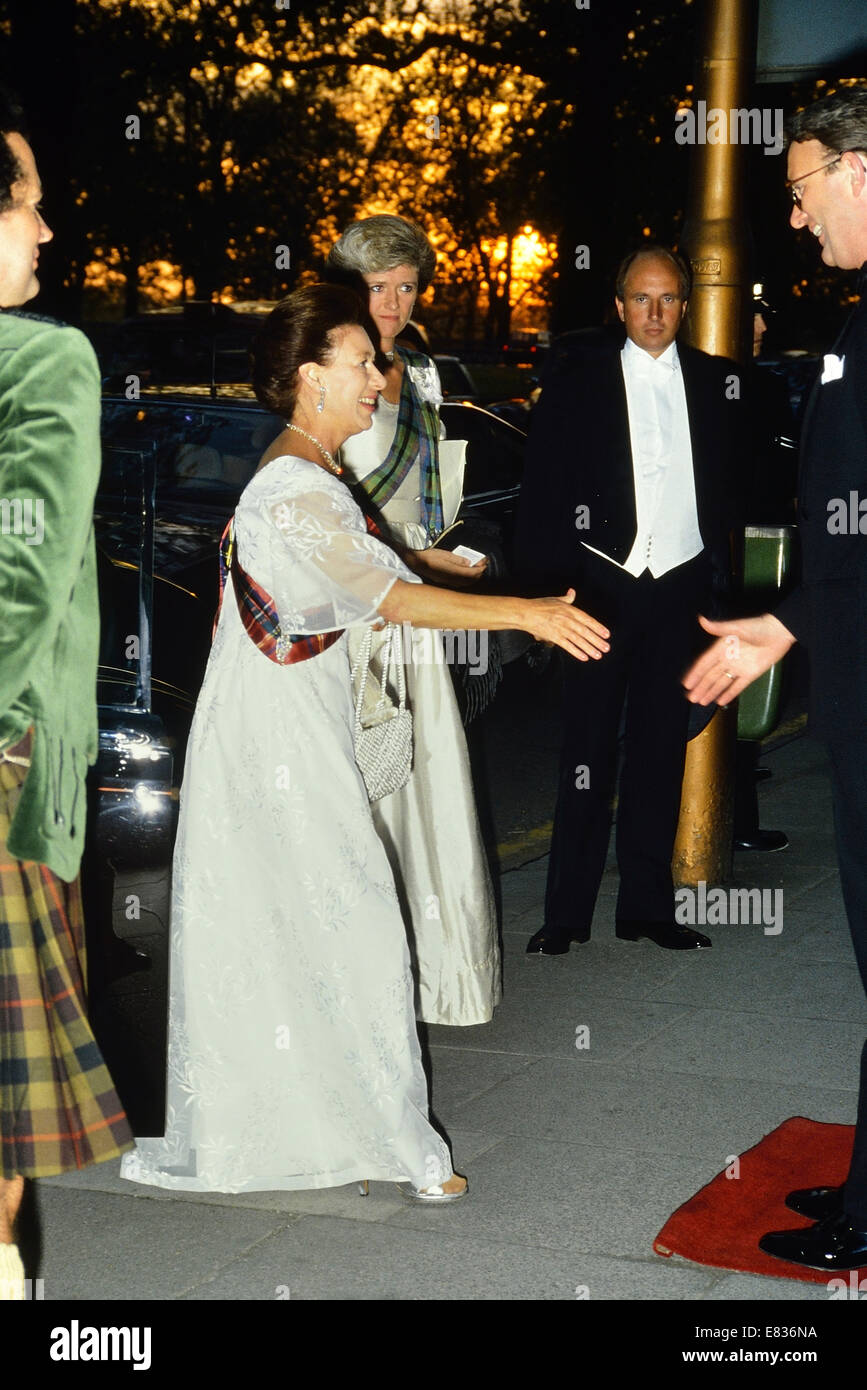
(829, 610)
(579, 455)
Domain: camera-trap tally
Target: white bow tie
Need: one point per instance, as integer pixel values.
(651, 368)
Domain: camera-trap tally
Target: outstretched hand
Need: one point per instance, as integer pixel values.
(557, 621)
(745, 648)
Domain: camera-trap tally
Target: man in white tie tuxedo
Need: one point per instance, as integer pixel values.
(628, 496)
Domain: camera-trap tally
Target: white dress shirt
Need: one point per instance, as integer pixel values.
(668, 534)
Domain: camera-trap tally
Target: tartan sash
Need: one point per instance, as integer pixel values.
(417, 433)
(259, 612)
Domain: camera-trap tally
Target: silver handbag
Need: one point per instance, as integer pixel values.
(383, 731)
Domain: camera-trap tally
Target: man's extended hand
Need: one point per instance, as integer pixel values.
(745, 649)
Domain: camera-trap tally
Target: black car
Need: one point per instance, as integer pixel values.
(174, 466)
(175, 462)
(197, 341)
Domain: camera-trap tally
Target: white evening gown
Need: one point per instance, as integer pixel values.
(430, 827)
(293, 1051)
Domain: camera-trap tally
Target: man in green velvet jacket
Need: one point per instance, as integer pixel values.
(49, 618)
(58, 1106)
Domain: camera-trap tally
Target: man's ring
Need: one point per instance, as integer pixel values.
(728, 675)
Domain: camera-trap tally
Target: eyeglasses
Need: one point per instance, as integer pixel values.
(794, 185)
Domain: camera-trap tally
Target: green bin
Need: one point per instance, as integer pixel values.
(767, 565)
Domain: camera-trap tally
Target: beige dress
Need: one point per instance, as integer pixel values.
(430, 828)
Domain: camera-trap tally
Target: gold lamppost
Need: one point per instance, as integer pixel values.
(715, 239)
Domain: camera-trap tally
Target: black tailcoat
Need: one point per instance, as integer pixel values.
(579, 486)
(829, 613)
(579, 455)
(829, 610)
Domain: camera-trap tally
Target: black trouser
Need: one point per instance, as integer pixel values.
(849, 782)
(747, 753)
(654, 635)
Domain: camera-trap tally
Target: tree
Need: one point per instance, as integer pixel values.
(261, 128)
(583, 171)
(49, 91)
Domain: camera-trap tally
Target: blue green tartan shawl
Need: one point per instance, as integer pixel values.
(417, 432)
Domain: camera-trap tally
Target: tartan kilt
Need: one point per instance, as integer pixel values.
(58, 1106)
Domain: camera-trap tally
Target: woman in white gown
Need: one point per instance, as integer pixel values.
(293, 1054)
(429, 826)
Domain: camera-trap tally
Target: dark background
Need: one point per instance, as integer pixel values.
(222, 174)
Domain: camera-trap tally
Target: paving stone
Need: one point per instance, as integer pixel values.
(576, 1197)
(634, 1108)
(575, 1157)
(756, 1288)
(753, 1046)
(98, 1246)
(335, 1260)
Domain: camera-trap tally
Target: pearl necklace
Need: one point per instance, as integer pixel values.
(329, 458)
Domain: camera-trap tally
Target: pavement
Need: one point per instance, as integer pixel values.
(575, 1154)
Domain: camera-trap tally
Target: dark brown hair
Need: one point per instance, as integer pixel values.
(301, 328)
(11, 122)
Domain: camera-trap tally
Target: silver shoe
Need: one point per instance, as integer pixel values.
(431, 1194)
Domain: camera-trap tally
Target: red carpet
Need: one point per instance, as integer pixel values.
(722, 1223)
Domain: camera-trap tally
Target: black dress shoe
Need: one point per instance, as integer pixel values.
(763, 841)
(668, 934)
(816, 1202)
(831, 1244)
(549, 942)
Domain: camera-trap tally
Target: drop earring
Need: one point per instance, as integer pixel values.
(321, 403)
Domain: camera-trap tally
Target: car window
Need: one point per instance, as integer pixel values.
(453, 378)
(495, 451)
(205, 450)
(123, 523)
(173, 351)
